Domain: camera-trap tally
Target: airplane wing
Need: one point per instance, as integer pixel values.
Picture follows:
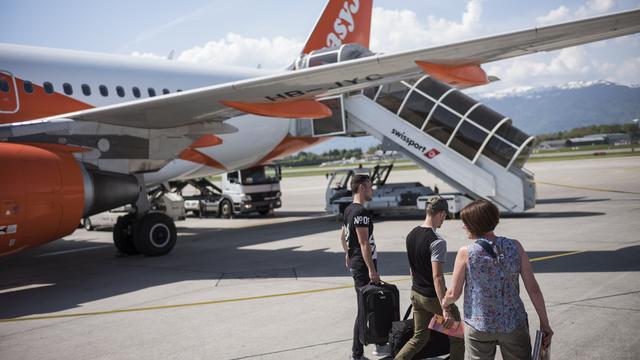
(219, 102)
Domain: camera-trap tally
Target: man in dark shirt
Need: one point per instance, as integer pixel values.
(426, 251)
(359, 246)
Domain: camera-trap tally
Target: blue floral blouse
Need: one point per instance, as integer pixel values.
(492, 289)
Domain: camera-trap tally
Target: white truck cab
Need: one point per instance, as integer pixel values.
(256, 189)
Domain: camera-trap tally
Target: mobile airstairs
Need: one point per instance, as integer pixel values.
(464, 143)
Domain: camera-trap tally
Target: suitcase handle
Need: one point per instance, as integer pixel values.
(406, 315)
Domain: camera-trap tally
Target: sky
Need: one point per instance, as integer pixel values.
(271, 34)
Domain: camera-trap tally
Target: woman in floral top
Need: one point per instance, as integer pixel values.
(489, 269)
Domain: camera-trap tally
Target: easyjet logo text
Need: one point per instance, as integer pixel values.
(344, 24)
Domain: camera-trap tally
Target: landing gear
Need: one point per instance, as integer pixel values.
(155, 234)
(123, 234)
(152, 235)
(145, 231)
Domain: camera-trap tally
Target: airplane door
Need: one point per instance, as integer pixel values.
(9, 102)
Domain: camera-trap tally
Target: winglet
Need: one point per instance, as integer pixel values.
(341, 22)
(309, 109)
(461, 75)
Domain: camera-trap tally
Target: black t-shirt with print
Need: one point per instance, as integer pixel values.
(355, 216)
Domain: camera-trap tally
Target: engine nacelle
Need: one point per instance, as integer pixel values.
(44, 192)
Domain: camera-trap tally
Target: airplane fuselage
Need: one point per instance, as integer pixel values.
(47, 82)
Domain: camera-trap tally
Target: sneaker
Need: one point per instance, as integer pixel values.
(382, 350)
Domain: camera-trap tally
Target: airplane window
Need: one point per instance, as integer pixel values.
(48, 88)
(165, 91)
(152, 92)
(103, 90)
(120, 91)
(4, 85)
(67, 88)
(86, 90)
(416, 109)
(28, 87)
(136, 91)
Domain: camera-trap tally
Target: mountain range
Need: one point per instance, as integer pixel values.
(577, 104)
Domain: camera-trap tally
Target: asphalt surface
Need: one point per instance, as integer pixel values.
(276, 287)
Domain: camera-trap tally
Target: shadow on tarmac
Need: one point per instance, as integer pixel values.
(218, 255)
(568, 200)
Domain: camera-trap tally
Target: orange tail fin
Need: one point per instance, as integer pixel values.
(341, 22)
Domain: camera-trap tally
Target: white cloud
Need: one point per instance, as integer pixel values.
(395, 30)
(554, 16)
(570, 64)
(563, 13)
(594, 7)
(238, 50)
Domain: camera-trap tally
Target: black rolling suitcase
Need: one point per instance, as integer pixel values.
(402, 331)
(378, 308)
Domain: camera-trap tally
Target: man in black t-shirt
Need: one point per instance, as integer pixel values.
(426, 251)
(359, 247)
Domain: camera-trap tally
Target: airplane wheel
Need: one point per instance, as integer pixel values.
(87, 224)
(155, 234)
(123, 234)
(226, 209)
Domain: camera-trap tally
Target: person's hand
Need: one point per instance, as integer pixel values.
(347, 261)
(445, 304)
(374, 276)
(547, 334)
(448, 317)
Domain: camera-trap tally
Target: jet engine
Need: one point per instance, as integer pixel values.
(45, 191)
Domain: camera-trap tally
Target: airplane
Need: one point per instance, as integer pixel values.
(82, 133)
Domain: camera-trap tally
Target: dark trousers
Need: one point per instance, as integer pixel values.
(360, 274)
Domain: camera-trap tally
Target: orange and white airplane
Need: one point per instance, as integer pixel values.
(82, 133)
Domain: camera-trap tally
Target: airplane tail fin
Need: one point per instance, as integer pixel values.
(341, 22)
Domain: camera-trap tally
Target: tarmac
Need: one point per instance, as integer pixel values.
(276, 287)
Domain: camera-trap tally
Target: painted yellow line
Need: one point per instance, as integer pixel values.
(587, 188)
(211, 302)
(556, 256)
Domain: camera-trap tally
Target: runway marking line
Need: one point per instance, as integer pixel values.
(587, 188)
(211, 302)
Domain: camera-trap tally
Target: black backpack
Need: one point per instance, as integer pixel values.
(402, 331)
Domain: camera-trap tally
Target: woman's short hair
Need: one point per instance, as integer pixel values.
(480, 217)
(357, 180)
